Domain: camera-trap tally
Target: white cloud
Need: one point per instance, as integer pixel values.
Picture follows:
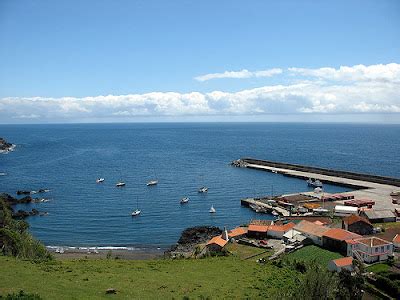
(388, 72)
(239, 74)
(365, 92)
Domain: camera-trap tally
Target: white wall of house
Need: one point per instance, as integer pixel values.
(316, 239)
(333, 267)
(371, 254)
(275, 234)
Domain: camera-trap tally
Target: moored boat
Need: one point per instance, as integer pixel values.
(152, 182)
(99, 180)
(203, 190)
(184, 200)
(136, 212)
(120, 184)
(212, 210)
(314, 183)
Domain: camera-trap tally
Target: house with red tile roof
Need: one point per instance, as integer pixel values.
(335, 239)
(217, 243)
(357, 224)
(237, 232)
(257, 231)
(277, 231)
(339, 264)
(312, 231)
(370, 249)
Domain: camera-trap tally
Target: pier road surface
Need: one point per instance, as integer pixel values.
(378, 192)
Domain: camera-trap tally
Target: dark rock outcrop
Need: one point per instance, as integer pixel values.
(199, 234)
(23, 192)
(5, 146)
(11, 200)
(191, 237)
(21, 214)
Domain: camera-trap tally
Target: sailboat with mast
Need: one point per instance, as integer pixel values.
(137, 211)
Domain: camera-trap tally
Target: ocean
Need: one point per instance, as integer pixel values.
(67, 159)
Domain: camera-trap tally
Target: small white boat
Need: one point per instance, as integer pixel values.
(203, 190)
(212, 210)
(99, 180)
(317, 183)
(120, 184)
(152, 182)
(275, 171)
(136, 212)
(274, 213)
(314, 183)
(184, 200)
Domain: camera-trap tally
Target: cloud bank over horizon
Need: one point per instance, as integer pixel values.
(357, 89)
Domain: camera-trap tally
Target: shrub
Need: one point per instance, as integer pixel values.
(16, 239)
(387, 285)
(22, 296)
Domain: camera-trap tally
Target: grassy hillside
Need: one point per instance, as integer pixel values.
(313, 253)
(215, 278)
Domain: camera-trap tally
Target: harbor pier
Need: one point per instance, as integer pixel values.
(365, 186)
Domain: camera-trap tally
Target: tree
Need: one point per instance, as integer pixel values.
(351, 286)
(316, 284)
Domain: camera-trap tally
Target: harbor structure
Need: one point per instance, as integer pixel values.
(379, 216)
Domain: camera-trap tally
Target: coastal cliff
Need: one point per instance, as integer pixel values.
(5, 146)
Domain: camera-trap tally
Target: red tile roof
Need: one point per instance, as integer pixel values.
(311, 228)
(343, 262)
(354, 219)
(237, 231)
(218, 240)
(258, 228)
(281, 228)
(396, 239)
(340, 234)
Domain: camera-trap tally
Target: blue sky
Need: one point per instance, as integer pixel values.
(57, 49)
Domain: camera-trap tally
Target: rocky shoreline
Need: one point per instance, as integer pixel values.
(5, 146)
(190, 239)
(22, 214)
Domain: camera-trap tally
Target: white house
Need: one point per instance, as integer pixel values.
(277, 231)
(370, 249)
(339, 264)
(312, 231)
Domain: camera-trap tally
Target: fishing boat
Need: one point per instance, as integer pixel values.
(212, 210)
(317, 183)
(203, 190)
(184, 200)
(99, 180)
(152, 182)
(120, 184)
(314, 183)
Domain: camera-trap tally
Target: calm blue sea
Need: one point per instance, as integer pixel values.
(68, 158)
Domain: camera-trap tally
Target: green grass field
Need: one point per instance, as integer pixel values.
(214, 278)
(244, 251)
(378, 268)
(313, 253)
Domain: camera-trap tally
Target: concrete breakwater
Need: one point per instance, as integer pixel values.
(254, 163)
